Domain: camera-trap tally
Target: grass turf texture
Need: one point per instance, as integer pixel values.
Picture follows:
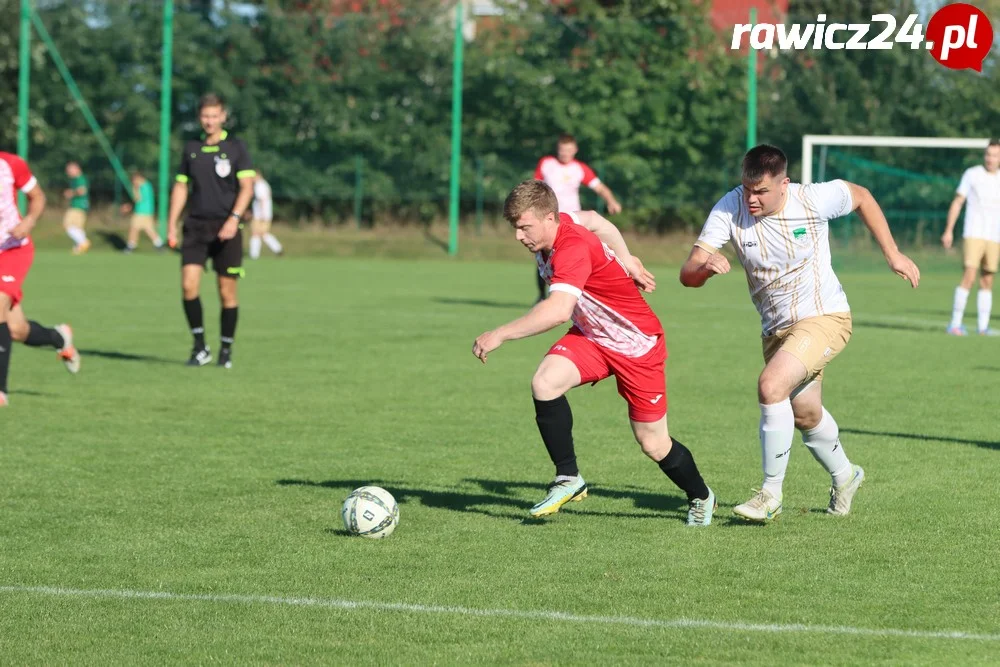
(141, 474)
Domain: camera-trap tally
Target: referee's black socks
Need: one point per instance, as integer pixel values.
(229, 317)
(192, 310)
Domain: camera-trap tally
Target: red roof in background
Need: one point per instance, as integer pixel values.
(727, 13)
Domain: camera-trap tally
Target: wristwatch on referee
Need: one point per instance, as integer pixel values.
(235, 216)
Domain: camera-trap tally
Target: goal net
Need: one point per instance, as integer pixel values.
(913, 178)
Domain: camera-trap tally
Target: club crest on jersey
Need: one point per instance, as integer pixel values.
(223, 167)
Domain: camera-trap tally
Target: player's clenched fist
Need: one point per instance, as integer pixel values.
(485, 344)
(717, 263)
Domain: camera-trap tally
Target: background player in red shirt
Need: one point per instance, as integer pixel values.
(565, 174)
(16, 255)
(614, 332)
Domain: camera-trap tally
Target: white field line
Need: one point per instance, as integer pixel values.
(540, 615)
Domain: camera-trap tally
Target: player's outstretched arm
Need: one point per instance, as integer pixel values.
(609, 234)
(702, 265)
(956, 207)
(555, 310)
(873, 217)
(604, 192)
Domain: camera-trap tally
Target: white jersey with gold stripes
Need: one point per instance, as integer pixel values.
(786, 255)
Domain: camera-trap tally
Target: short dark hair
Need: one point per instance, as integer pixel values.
(566, 138)
(763, 160)
(995, 141)
(210, 100)
(530, 195)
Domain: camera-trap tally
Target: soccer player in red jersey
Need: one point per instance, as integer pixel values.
(565, 174)
(593, 281)
(16, 255)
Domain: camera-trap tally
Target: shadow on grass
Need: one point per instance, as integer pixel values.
(127, 356)
(896, 326)
(509, 499)
(483, 302)
(30, 392)
(986, 444)
(113, 239)
(430, 238)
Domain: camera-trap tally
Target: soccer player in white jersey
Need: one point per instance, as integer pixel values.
(780, 232)
(615, 332)
(260, 224)
(565, 174)
(980, 187)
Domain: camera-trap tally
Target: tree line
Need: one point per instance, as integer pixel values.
(325, 91)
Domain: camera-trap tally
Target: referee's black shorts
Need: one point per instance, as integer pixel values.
(201, 242)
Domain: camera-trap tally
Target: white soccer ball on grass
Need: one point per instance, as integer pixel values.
(370, 511)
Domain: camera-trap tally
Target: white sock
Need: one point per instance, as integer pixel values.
(157, 242)
(272, 243)
(254, 247)
(777, 428)
(824, 443)
(984, 304)
(76, 234)
(130, 245)
(958, 310)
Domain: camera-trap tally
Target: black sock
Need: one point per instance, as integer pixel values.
(6, 343)
(192, 310)
(229, 316)
(541, 284)
(555, 423)
(39, 336)
(679, 466)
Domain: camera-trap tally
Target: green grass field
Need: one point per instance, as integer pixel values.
(153, 513)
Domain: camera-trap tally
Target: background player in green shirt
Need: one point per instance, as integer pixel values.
(78, 203)
(142, 212)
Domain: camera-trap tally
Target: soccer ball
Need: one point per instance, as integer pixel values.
(370, 511)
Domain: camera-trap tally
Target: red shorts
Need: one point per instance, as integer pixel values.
(14, 266)
(642, 381)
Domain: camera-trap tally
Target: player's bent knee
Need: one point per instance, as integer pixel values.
(18, 330)
(771, 390)
(655, 447)
(546, 386)
(809, 420)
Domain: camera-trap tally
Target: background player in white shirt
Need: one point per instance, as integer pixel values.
(980, 186)
(263, 214)
(780, 232)
(565, 174)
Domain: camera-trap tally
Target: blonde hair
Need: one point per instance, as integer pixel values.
(531, 195)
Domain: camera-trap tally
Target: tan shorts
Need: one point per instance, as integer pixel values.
(981, 254)
(260, 226)
(143, 222)
(814, 341)
(74, 217)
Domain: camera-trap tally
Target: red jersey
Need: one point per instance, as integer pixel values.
(14, 176)
(609, 310)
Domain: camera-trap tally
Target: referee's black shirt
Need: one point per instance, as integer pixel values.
(212, 173)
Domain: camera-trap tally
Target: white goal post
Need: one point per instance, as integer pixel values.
(811, 140)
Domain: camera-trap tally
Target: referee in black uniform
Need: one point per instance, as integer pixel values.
(220, 174)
